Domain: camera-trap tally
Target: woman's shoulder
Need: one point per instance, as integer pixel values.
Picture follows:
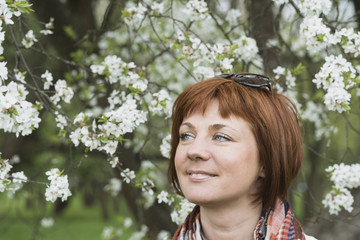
(307, 237)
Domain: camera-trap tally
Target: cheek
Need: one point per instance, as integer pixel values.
(178, 159)
(179, 154)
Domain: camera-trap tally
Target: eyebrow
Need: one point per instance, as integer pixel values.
(189, 125)
(213, 127)
(216, 127)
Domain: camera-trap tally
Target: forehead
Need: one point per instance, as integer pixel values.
(215, 107)
(212, 116)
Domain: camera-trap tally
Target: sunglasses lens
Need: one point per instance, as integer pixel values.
(252, 80)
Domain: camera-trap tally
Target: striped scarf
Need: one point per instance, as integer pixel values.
(277, 224)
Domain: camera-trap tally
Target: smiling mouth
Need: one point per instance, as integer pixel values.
(200, 176)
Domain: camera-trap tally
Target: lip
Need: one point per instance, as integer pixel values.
(200, 175)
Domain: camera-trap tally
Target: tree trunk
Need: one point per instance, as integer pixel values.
(262, 19)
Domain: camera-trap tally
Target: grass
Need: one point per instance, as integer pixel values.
(75, 222)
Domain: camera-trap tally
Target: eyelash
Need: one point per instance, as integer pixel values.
(222, 136)
(183, 137)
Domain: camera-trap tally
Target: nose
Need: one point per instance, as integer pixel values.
(199, 150)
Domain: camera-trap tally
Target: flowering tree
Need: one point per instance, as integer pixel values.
(89, 102)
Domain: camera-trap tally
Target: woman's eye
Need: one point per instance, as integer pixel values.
(185, 136)
(221, 138)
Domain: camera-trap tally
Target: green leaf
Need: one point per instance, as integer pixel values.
(38, 106)
(22, 5)
(86, 118)
(347, 107)
(61, 172)
(320, 37)
(344, 40)
(233, 48)
(62, 133)
(78, 56)
(125, 13)
(299, 69)
(134, 90)
(70, 32)
(103, 119)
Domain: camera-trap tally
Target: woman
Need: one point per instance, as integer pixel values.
(236, 147)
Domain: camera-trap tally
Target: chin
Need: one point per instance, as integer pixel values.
(199, 199)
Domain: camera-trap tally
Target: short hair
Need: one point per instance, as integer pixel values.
(274, 121)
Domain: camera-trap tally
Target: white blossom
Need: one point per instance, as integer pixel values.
(163, 235)
(336, 200)
(140, 234)
(128, 222)
(317, 35)
(316, 114)
(161, 103)
(60, 120)
(98, 69)
(246, 48)
(18, 115)
(157, 8)
(46, 32)
(19, 76)
(117, 71)
(178, 216)
(19, 177)
(110, 147)
(3, 72)
(62, 91)
(6, 15)
(59, 186)
(148, 199)
(47, 78)
(314, 7)
(225, 64)
(128, 175)
(164, 197)
(336, 76)
(202, 72)
(283, 72)
(136, 14)
(5, 168)
(114, 187)
(2, 38)
(336, 99)
(345, 177)
(47, 222)
(15, 159)
(196, 10)
(48, 27)
(349, 40)
(108, 232)
(280, 2)
(233, 16)
(29, 39)
(165, 146)
(113, 161)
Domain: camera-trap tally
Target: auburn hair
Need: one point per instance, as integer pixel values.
(274, 121)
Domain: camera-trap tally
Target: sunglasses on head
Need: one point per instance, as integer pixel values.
(249, 79)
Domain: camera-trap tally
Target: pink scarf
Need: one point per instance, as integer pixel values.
(277, 224)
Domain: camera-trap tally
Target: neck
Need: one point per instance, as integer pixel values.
(230, 222)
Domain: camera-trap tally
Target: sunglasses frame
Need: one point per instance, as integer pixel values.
(241, 78)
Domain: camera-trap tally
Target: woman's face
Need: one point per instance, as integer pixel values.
(217, 160)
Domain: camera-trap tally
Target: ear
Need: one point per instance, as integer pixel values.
(262, 172)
